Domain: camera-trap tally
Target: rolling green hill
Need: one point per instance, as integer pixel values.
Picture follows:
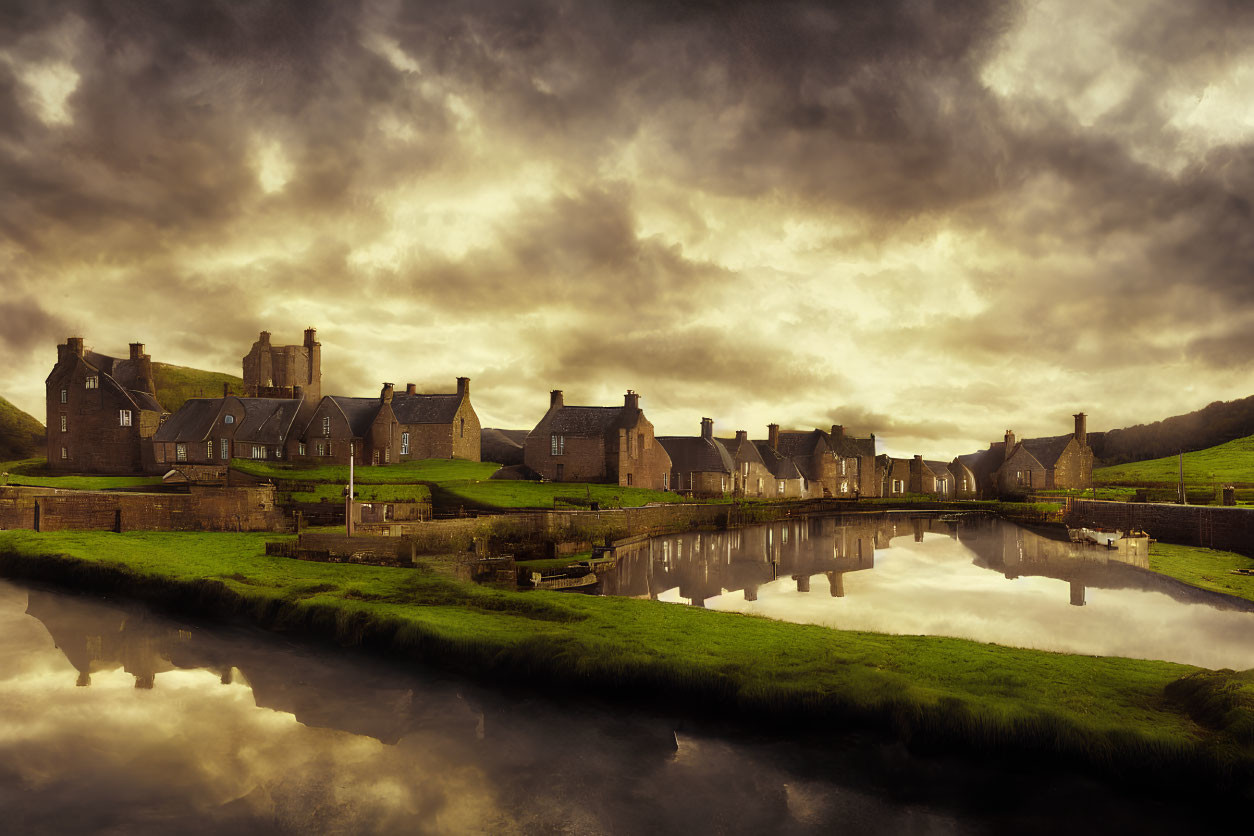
(176, 384)
(1230, 463)
(20, 434)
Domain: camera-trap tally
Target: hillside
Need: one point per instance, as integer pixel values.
(176, 384)
(20, 434)
(1230, 463)
(1220, 422)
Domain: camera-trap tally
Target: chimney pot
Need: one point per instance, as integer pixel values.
(137, 350)
(75, 345)
(707, 427)
(772, 435)
(631, 400)
(555, 398)
(1081, 428)
(311, 336)
(741, 435)
(411, 389)
(463, 386)
(264, 338)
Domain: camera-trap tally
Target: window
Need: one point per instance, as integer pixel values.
(124, 417)
(92, 382)
(629, 480)
(180, 452)
(779, 488)
(964, 483)
(375, 458)
(629, 445)
(461, 433)
(899, 486)
(666, 481)
(387, 454)
(941, 484)
(224, 449)
(844, 486)
(404, 444)
(65, 395)
(759, 486)
(326, 424)
(300, 449)
(65, 454)
(259, 451)
(209, 449)
(722, 484)
(228, 419)
(322, 450)
(842, 467)
(557, 444)
(278, 452)
(64, 424)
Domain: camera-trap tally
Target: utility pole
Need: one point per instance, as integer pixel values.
(348, 499)
(1184, 500)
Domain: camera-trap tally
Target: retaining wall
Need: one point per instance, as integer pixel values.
(1212, 526)
(202, 509)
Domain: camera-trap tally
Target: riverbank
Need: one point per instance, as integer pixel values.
(1148, 723)
(1204, 568)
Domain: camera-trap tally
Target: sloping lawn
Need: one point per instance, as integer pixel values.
(35, 473)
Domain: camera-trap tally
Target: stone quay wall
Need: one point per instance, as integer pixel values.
(1214, 527)
(202, 509)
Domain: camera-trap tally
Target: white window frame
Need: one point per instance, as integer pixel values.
(209, 449)
(259, 451)
(844, 486)
(224, 449)
(404, 444)
(228, 419)
(65, 396)
(557, 444)
(326, 425)
(899, 486)
(65, 424)
(124, 417)
(92, 381)
(180, 452)
(65, 453)
(779, 488)
(300, 449)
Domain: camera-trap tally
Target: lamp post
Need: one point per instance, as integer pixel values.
(348, 498)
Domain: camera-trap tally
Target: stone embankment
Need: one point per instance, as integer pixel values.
(1210, 526)
(201, 509)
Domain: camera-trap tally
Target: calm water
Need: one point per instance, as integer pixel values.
(973, 577)
(115, 720)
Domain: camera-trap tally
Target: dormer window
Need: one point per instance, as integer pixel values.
(92, 382)
(228, 419)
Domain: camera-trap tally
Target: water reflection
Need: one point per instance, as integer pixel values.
(117, 720)
(969, 576)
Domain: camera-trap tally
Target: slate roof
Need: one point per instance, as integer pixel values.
(425, 409)
(937, 468)
(588, 420)
(144, 400)
(742, 451)
(1046, 450)
(694, 454)
(781, 467)
(192, 422)
(360, 412)
(267, 420)
(794, 443)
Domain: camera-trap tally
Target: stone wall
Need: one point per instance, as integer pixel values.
(1216, 527)
(203, 509)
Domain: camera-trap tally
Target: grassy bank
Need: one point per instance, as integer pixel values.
(1124, 717)
(1204, 568)
(35, 473)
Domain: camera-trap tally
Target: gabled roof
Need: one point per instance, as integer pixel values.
(360, 412)
(852, 448)
(588, 420)
(192, 422)
(799, 442)
(781, 467)
(1046, 450)
(938, 468)
(694, 454)
(144, 400)
(425, 409)
(267, 420)
(742, 451)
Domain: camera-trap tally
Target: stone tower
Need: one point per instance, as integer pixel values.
(284, 371)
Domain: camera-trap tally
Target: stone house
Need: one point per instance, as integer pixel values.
(101, 410)
(613, 444)
(752, 477)
(894, 475)
(787, 479)
(1012, 466)
(859, 456)
(442, 426)
(701, 465)
(284, 371)
(216, 430)
(965, 486)
(337, 425)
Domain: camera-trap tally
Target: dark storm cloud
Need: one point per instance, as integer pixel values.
(882, 425)
(25, 325)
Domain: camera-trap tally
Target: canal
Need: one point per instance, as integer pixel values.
(971, 576)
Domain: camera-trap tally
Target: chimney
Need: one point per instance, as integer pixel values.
(1081, 428)
(75, 345)
(311, 336)
(226, 390)
(741, 436)
(555, 398)
(631, 400)
(916, 464)
(1010, 442)
(838, 432)
(463, 386)
(772, 435)
(137, 350)
(264, 339)
(143, 372)
(386, 394)
(707, 428)
(411, 389)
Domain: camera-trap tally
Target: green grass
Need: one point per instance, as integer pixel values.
(1116, 715)
(176, 384)
(543, 563)
(35, 473)
(427, 470)
(1204, 568)
(365, 493)
(508, 493)
(1230, 463)
(21, 434)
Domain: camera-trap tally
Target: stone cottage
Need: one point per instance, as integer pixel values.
(700, 465)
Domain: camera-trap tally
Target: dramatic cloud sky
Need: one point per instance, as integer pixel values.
(928, 220)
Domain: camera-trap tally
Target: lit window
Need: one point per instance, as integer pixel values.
(259, 452)
(92, 382)
(844, 486)
(326, 424)
(64, 424)
(224, 448)
(180, 452)
(300, 448)
(404, 444)
(65, 454)
(65, 395)
(124, 417)
(228, 419)
(779, 489)
(842, 467)
(278, 452)
(321, 449)
(387, 454)
(209, 449)
(557, 444)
